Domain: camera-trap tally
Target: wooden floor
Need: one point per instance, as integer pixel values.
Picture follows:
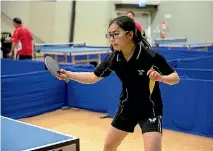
(92, 130)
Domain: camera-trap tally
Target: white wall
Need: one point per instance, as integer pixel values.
(6, 24)
(63, 21)
(191, 19)
(92, 19)
(15, 8)
(50, 21)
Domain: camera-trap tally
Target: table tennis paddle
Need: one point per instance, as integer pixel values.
(53, 67)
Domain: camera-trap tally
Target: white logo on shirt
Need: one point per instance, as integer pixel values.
(152, 120)
(140, 72)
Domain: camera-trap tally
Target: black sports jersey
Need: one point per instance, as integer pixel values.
(4, 43)
(140, 95)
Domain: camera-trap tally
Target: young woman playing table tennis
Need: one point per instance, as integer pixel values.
(140, 70)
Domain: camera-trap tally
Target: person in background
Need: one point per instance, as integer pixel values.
(6, 43)
(22, 42)
(131, 15)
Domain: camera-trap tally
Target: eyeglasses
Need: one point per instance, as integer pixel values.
(115, 35)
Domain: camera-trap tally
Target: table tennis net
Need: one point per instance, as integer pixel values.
(170, 40)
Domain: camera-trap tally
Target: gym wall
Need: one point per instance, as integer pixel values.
(49, 21)
(92, 19)
(191, 19)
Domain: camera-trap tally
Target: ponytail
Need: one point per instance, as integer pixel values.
(139, 39)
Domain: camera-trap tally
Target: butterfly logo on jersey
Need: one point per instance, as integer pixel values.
(152, 120)
(140, 72)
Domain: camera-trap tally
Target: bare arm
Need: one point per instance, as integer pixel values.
(14, 45)
(101, 71)
(171, 79)
(83, 77)
(167, 73)
(14, 40)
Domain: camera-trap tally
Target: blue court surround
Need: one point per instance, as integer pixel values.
(28, 90)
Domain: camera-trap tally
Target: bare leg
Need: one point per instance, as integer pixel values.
(113, 139)
(152, 141)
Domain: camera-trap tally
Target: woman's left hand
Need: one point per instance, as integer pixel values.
(154, 75)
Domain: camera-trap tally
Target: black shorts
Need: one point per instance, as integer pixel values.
(5, 52)
(128, 125)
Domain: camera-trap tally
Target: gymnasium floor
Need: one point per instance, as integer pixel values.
(91, 130)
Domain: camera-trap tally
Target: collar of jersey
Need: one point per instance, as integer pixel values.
(135, 56)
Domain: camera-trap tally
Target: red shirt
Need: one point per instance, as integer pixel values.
(139, 26)
(24, 38)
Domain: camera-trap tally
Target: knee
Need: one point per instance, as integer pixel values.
(109, 146)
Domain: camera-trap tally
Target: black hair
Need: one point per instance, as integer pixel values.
(128, 24)
(131, 12)
(17, 21)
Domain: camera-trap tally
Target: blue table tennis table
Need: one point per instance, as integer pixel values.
(20, 136)
(68, 50)
(185, 45)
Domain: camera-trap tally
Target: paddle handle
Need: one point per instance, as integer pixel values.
(67, 80)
